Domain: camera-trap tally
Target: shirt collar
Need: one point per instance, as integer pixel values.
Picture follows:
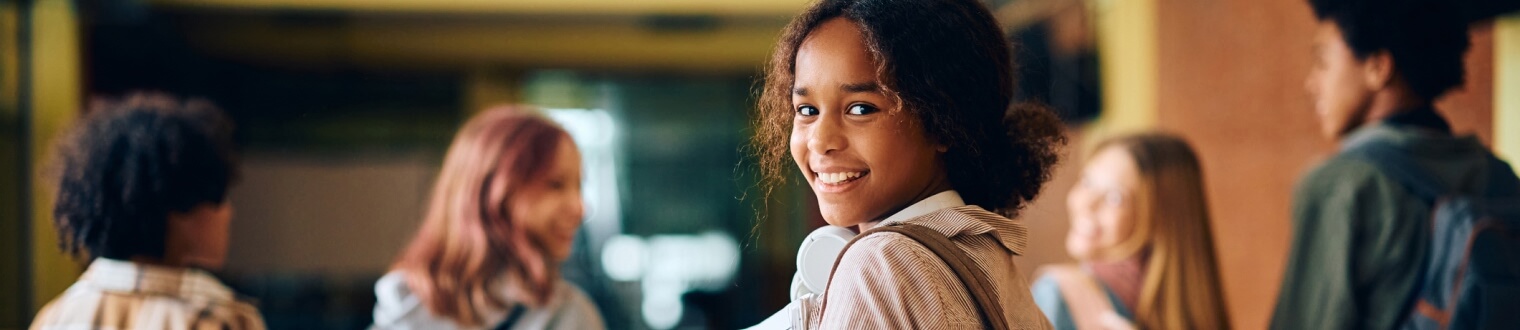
(180, 282)
(942, 200)
(1398, 128)
(949, 215)
(1423, 117)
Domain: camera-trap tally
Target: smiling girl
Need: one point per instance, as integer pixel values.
(1141, 235)
(897, 113)
(503, 216)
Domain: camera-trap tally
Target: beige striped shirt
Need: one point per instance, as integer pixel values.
(115, 294)
(890, 281)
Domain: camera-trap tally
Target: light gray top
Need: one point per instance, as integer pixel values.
(569, 308)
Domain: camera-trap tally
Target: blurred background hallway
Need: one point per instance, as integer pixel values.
(344, 108)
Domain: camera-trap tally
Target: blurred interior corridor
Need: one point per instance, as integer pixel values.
(344, 110)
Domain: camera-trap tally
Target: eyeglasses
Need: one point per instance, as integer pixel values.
(1110, 195)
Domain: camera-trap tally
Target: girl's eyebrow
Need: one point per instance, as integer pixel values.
(864, 87)
(861, 87)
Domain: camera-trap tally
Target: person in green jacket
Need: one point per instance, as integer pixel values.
(1359, 235)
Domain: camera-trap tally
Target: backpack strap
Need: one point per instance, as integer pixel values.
(513, 316)
(1085, 299)
(1398, 165)
(976, 281)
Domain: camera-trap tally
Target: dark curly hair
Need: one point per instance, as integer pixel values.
(948, 64)
(1425, 38)
(129, 163)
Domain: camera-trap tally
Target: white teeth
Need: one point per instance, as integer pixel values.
(838, 177)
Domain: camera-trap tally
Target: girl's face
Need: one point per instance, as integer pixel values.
(864, 157)
(550, 207)
(1102, 204)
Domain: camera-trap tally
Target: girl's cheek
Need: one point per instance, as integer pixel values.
(1107, 230)
(799, 149)
(1115, 231)
(1084, 231)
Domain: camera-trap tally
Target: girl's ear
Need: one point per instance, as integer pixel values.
(1378, 70)
(941, 148)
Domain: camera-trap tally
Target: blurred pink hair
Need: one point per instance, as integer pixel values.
(468, 239)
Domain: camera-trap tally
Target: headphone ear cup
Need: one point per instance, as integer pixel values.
(816, 257)
(799, 289)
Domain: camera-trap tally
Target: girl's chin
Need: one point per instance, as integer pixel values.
(840, 221)
(561, 256)
(1081, 252)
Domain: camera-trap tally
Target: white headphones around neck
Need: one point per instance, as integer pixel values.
(815, 259)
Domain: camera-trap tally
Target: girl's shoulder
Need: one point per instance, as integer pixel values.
(391, 290)
(396, 307)
(575, 308)
(1046, 291)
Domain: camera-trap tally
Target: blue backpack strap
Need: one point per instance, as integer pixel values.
(1399, 166)
(512, 317)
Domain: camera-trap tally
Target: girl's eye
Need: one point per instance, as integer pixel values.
(807, 110)
(861, 109)
(1113, 198)
(556, 185)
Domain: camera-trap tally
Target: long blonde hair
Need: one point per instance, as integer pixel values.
(468, 239)
(1181, 287)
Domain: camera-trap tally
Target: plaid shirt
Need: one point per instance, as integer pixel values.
(890, 281)
(114, 294)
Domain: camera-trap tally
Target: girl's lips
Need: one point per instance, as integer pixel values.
(833, 177)
(821, 185)
(837, 177)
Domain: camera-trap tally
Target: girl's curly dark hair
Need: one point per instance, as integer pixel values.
(948, 64)
(127, 164)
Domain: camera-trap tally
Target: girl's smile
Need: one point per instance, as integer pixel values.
(863, 154)
(836, 179)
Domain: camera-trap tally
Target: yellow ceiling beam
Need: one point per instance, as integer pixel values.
(615, 7)
(431, 44)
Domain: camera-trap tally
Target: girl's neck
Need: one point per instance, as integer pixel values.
(938, 184)
(160, 262)
(1123, 277)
